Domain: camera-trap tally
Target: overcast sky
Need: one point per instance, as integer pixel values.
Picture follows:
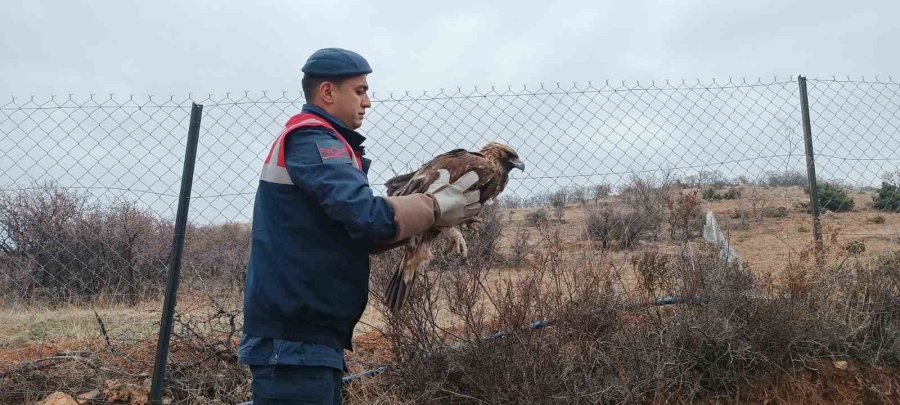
(175, 47)
(166, 47)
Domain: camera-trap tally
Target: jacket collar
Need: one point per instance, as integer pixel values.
(352, 137)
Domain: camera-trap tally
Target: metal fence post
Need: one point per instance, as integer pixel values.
(810, 163)
(184, 196)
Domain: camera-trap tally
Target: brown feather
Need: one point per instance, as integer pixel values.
(493, 174)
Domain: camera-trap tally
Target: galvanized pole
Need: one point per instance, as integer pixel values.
(810, 163)
(184, 197)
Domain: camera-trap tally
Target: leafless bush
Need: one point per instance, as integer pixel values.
(684, 215)
(707, 179)
(203, 366)
(601, 191)
(558, 201)
(484, 237)
(521, 245)
(217, 256)
(732, 328)
(758, 202)
(59, 248)
(647, 196)
(614, 228)
(787, 178)
(579, 195)
(537, 217)
(716, 194)
(538, 200)
(605, 344)
(511, 202)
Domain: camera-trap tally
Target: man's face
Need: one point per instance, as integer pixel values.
(348, 100)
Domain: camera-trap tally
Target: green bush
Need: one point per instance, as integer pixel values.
(887, 198)
(833, 198)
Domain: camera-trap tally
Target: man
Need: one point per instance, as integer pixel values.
(315, 222)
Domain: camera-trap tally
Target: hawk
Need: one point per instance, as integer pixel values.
(492, 164)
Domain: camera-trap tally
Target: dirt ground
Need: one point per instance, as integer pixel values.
(768, 243)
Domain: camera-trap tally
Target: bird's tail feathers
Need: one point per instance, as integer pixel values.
(398, 290)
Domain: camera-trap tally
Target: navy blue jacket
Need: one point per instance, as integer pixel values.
(308, 273)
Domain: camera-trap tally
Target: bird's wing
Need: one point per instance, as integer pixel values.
(397, 182)
(457, 162)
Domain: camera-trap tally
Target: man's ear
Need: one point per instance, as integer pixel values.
(326, 91)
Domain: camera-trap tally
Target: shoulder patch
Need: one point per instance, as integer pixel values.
(333, 151)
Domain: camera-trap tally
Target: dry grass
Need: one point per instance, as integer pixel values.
(22, 325)
(749, 329)
(770, 243)
(560, 275)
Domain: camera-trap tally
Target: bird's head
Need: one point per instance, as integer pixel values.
(503, 154)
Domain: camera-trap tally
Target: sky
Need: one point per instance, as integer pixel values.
(167, 47)
(205, 50)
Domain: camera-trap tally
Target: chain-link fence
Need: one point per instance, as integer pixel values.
(90, 184)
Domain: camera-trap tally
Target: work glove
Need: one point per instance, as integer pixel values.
(454, 204)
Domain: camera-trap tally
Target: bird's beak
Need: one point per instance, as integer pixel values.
(518, 164)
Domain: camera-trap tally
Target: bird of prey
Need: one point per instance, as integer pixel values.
(492, 164)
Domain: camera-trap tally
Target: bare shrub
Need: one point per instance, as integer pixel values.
(579, 195)
(599, 223)
(684, 215)
(601, 191)
(520, 247)
(62, 249)
(484, 237)
(481, 241)
(706, 179)
(758, 202)
(511, 202)
(732, 327)
(614, 228)
(217, 255)
(537, 217)
(787, 178)
(538, 200)
(558, 201)
(653, 274)
(647, 196)
(715, 194)
(600, 339)
(203, 367)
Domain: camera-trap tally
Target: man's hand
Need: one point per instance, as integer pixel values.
(454, 204)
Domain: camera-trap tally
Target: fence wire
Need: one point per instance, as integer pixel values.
(90, 184)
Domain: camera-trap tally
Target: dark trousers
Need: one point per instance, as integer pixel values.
(288, 385)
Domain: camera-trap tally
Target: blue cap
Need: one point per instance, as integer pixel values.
(336, 62)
